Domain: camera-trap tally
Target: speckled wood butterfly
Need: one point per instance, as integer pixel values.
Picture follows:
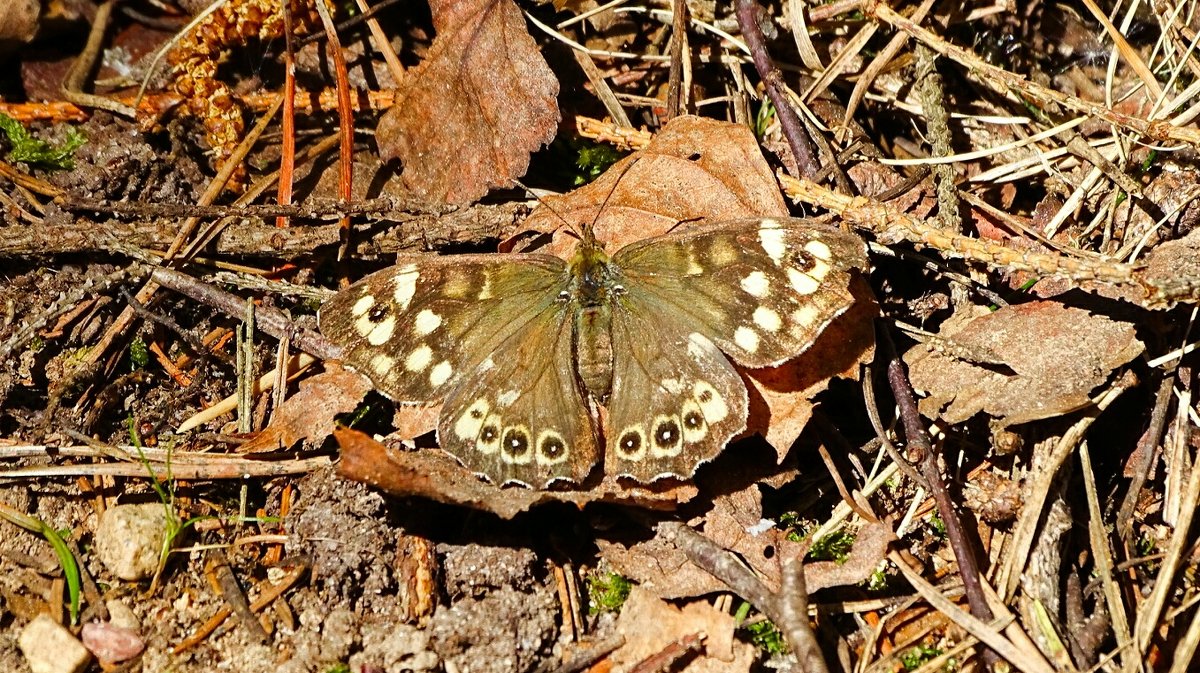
(523, 349)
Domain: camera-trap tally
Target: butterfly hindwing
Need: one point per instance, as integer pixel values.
(676, 400)
(762, 290)
(519, 416)
(416, 328)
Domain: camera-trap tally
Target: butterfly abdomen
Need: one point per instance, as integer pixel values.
(593, 350)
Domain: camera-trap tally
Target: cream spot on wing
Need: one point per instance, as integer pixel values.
(711, 403)
(382, 332)
(363, 305)
(382, 364)
(693, 267)
(487, 365)
(631, 443)
(721, 252)
(364, 325)
(426, 322)
(405, 285)
(419, 359)
(756, 284)
(486, 291)
(552, 449)
(773, 240)
(806, 316)
(818, 249)
(802, 283)
(820, 269)
(469, 424)
(488, 439)
(746, 339)
(440, 373)
(694, 426)
(507, 397)
(666, 440)
(767, 319)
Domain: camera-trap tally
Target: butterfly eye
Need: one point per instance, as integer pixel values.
(551, 448)
(667, 440)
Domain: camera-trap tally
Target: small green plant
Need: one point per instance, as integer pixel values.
(338, 668)
(833, 547)
(592, 160)
(28, 149)
(762, 121)
(879, 580)
(916, 657)
(607, 592)
(796, 527)
(57, 540)
(938, 525)
(139, 354)
(762, 633)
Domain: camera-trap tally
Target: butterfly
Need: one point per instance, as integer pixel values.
(547, 368)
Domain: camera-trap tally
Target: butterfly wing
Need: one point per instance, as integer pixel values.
(416, 328)
(434, 328)
(760, 291)
(520, 417)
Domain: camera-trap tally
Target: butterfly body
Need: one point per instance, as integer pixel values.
(523, 350)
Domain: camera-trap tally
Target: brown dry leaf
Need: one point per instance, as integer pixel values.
(650, 625)
(310, 412)
(467, 118)
(435, 475)
(1173, 261)
(1038, 360)
(695, 171)
(736, 523)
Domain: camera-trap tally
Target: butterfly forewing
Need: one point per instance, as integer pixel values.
(416, 328)
(762, 290)
(519, 416)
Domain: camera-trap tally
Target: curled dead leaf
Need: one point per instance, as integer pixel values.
(1038, 360)
(310, 413)
(467, 118)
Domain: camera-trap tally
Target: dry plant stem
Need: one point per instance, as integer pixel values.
(782, 608)
(584, 659)
(218, 466)
(601, 88)
(1004, 81)
(679, 23)
(927, 463)
(232, 592)
(269, 320)
(64, 304)
(287, 141)
(345, 117)
(666, 658)
(1146, 455)
(1040, 484)
(937, 122)
(382, 45)
(269, 594)
(881, 61)
(1026, 659)
(793, 129)
(1149, 616)
(72, 85)
(893, 226)
(1101, 548)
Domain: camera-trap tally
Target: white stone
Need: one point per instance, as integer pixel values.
(129, 540)
(50, 648)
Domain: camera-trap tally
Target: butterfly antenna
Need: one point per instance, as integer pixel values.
(546, 204)
(589, 232)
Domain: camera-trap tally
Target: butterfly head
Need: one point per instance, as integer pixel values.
(592, 275)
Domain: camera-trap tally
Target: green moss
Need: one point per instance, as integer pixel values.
(139, 354)
(833, 547)
(607, 592)
(28, 149)
(917, 656)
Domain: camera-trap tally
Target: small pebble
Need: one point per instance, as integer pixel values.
(130, 538)
(50, 648)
